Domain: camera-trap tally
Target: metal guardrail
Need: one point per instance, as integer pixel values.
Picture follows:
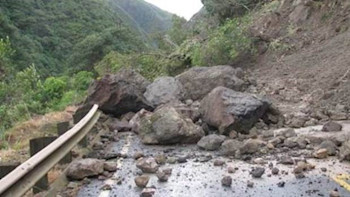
(24, 177)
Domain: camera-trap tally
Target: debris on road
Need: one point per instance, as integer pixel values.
(142, 181)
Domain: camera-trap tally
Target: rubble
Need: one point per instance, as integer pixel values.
(331, 127)
(211, 142)
(162, 176)
(147, 165)
(80, 169)
(148, 192)
(142, 181)
(257, 172)
(226, 181)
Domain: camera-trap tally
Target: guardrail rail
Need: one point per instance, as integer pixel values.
(24, 177)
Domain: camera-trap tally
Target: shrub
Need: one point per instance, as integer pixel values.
(224, 9)
(54, 88)
(112, 63)
(224, 44)
(82, 80)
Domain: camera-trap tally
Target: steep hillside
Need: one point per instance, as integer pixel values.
(147, 16)
(72, 35)
(304, 61)
(298, 51)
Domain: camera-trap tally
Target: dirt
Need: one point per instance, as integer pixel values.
(39, 126)
(311, 64)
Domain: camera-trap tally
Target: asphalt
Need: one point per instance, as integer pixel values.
(197, 178)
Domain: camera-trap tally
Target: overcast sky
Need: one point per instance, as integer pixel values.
(184, 8)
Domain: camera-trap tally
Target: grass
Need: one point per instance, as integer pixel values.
(15, 143)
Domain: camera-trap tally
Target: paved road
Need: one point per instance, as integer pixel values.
(195, 178)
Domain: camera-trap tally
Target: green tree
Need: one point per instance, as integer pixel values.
(224, 9)
(178, 33)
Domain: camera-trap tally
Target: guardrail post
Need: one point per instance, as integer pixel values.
(62, 128)
(6, 168)
(78, 115)
(37, 145)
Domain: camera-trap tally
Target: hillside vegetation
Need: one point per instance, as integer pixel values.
(48, 49)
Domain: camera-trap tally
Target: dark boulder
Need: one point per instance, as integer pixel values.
(229, 110)
(119, 94)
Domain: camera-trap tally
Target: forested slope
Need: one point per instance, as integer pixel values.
(70, 35)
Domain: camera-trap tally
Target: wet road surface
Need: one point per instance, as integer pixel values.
(198, 177)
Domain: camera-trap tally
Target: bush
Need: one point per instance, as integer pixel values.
(112, 63)
(224, 44)
(82, 80)
(54, 88)
(224, 9)
(148, 65)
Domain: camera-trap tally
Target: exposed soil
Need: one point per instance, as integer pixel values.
(311, 67)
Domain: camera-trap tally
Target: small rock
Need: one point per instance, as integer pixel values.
(299, 175)
(250, 184)
(230, 147)
(324, 169)
(231, 170)
(138, 155)
(287, 133)
(332, 126)
(162, 176)
(219, 162)
(168, 171)
(148, 192)
(142, 181)
(147, 165)
(257, 172)
(321, 153)
(252, 146)
(106, 187)
(270, 146)
(233, 134)
(334, 193)
(330, 146)
(275, 171)
(259, 161)
(97, 146)
(182, 159)
(277, 140)
(281, 184)
(110, 166)
(171, 160)
(82, 168)
(226, 181)
(211, 142)
(286, 160)
(72, 185)
(161, 159)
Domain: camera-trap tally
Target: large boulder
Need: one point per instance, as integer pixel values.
(211, 142)
(167, 126)
(199, 81)
(119, 94)
(229, 110)
(164, 90)
(83, 168)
